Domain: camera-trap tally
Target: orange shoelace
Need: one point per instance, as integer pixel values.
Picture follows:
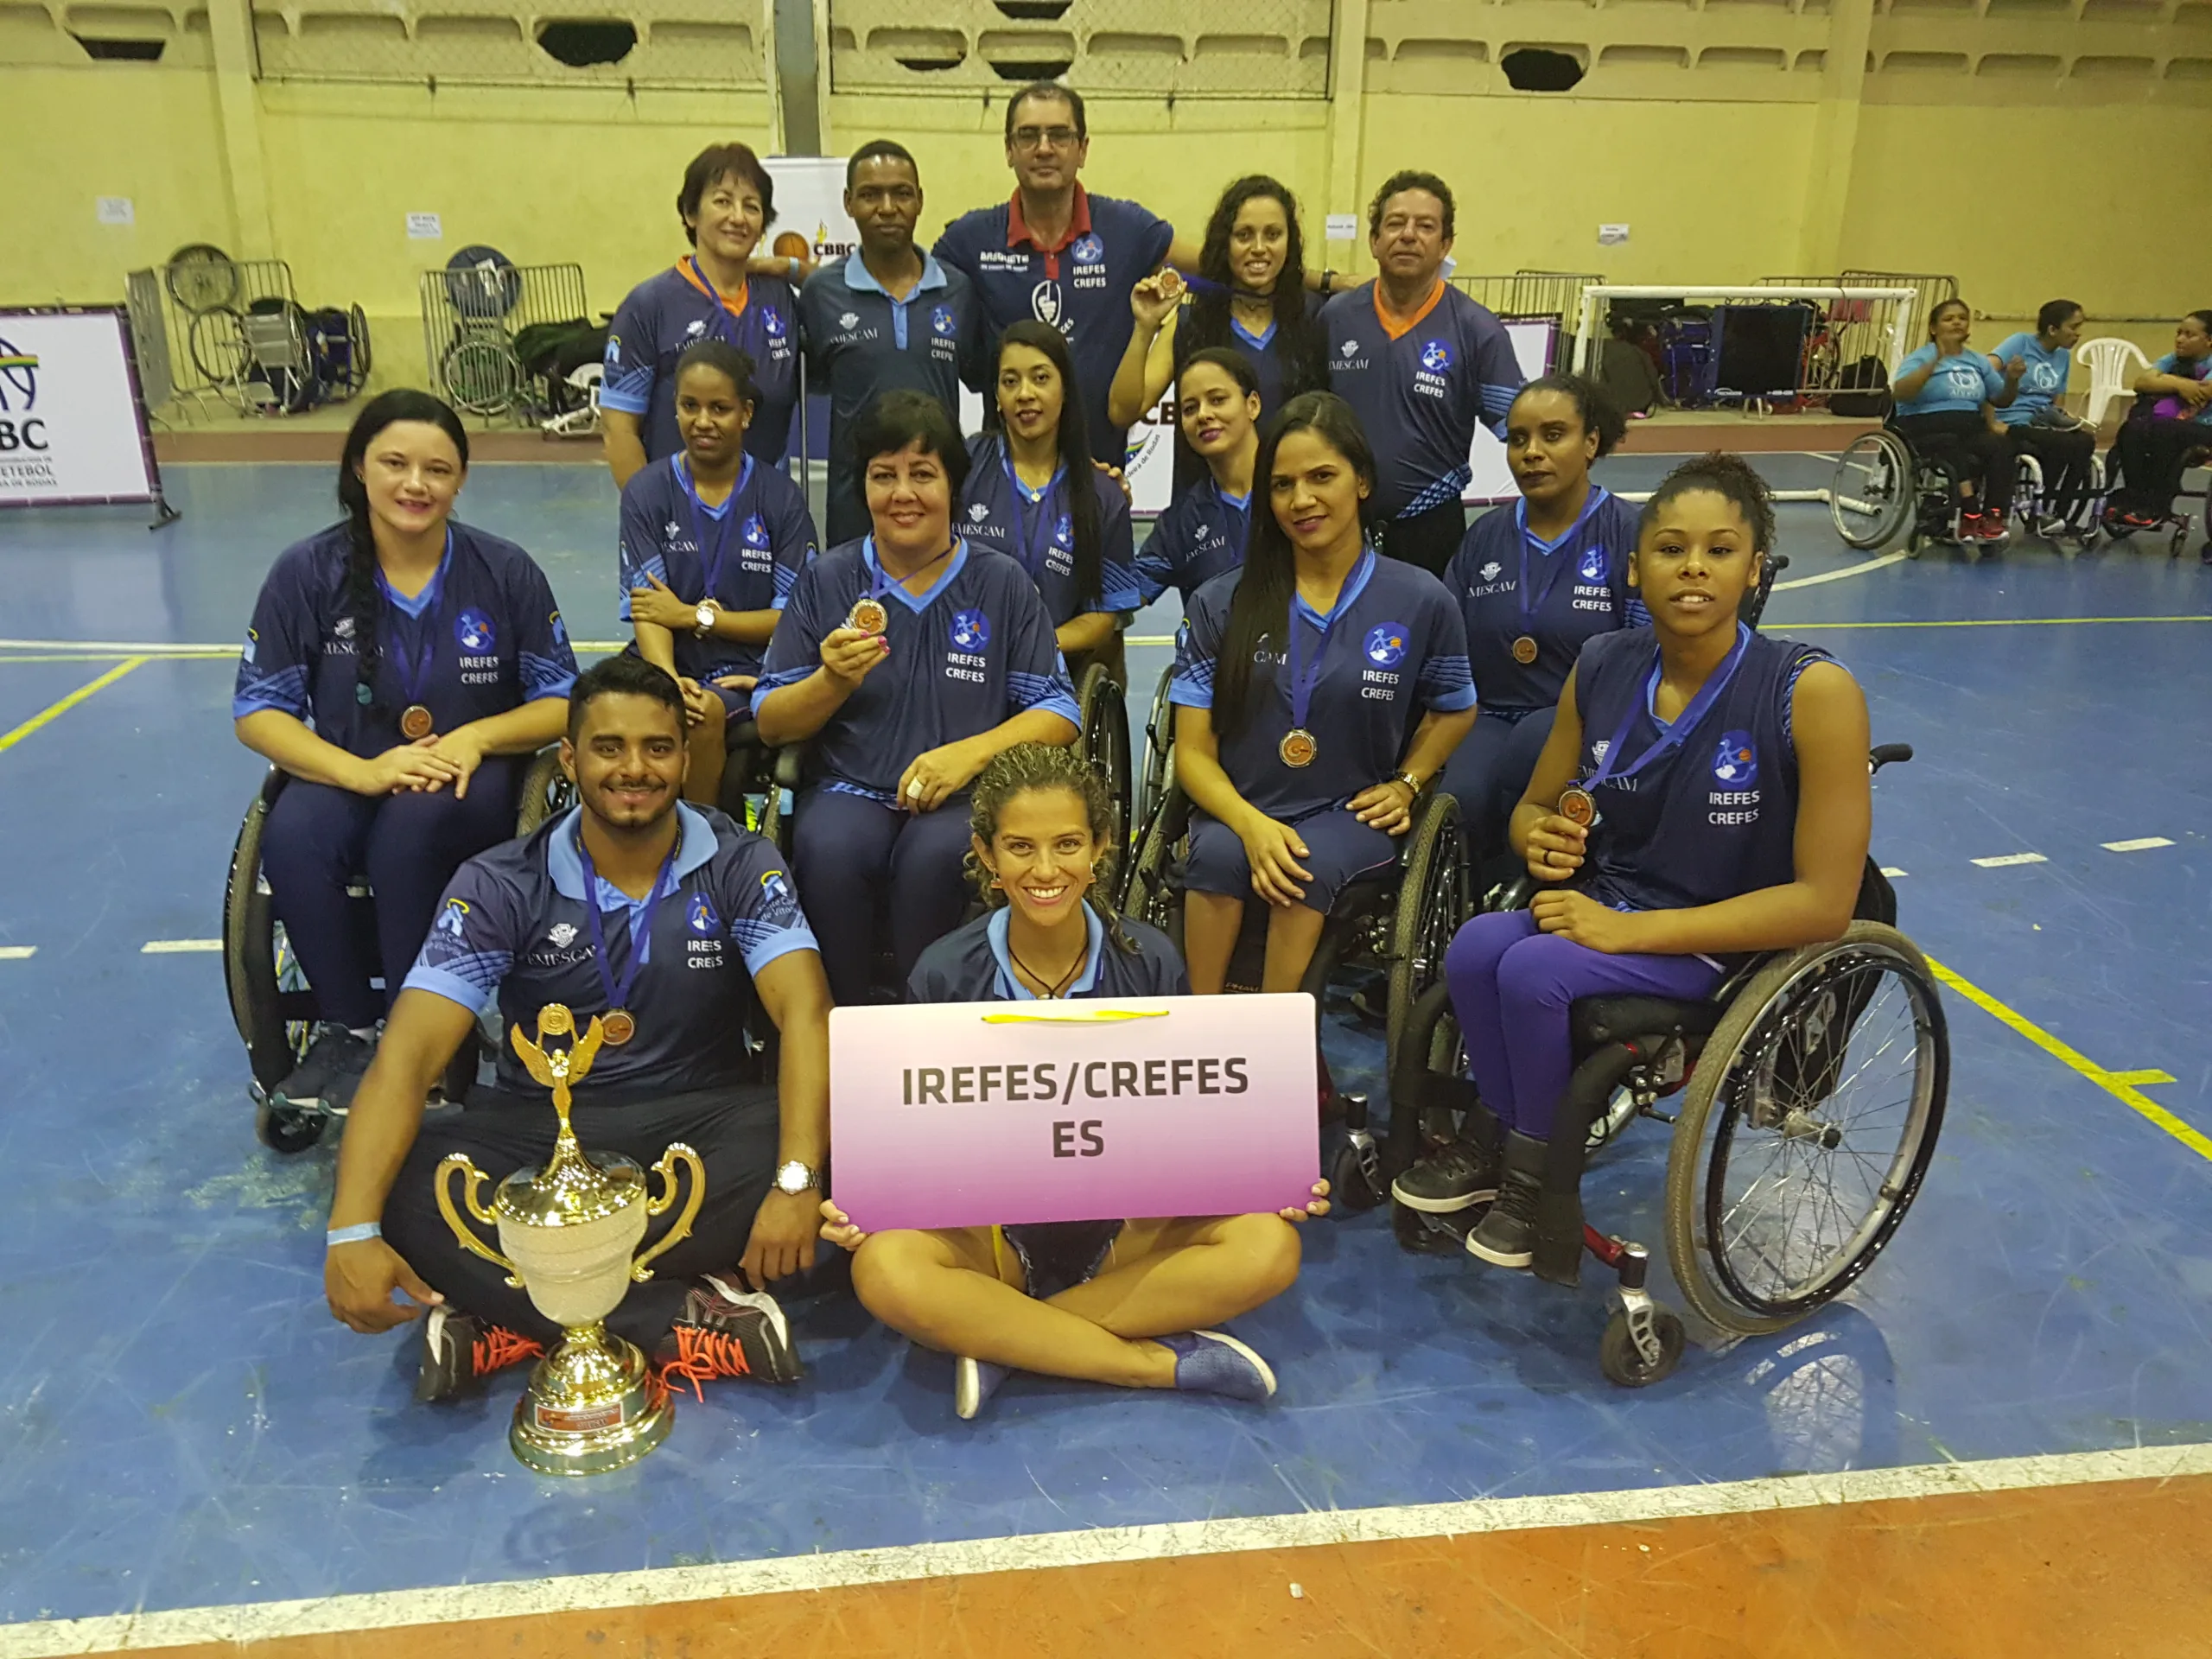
(499, 1348)
(702, 1354)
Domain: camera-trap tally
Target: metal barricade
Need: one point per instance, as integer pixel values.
(471, 317)
(150, 337)
(1529, 294)
(205, 305)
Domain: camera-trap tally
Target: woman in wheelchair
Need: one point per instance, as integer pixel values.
(2171, 421)
(1941, 390)
(2037, 422)
(712, 540)
(398, 665)
(910, 658)
(1124, 1302)
(1297, 679)
(1703, 795)
(1203, 532)
(1532, 585)
(1072, 535)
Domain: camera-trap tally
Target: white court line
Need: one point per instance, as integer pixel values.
(1894, 870)
(1848, 570)
(453, 1604)
(17, 953)
(2144, 845)
(2004, 859)
(177, 947)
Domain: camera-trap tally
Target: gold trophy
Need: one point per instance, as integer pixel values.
(567, 1231)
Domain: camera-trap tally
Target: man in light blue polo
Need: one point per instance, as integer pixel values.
(888, 318)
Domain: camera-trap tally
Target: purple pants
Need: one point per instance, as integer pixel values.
(1511, 987)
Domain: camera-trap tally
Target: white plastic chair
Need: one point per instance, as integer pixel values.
(2113, 364)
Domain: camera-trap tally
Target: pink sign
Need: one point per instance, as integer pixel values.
(967, 1114)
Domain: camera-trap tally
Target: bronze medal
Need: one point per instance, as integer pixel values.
(1524, 650)
(867, 615)
(415, 722)
(1577, 805)
(1298, 748)
(617, 1027)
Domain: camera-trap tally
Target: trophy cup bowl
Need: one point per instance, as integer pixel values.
(569, 1234)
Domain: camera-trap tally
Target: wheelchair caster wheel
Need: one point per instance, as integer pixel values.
(286, 1128)
(1630, 1366)
(1355, 1183)
(1419, 1233)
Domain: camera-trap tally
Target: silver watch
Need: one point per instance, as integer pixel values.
(707, 613)
(796, 1178)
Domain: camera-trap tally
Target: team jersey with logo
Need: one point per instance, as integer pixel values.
(1577, 587)
(1717, 815)
(512, 929)
(1081, 287)
(972, 964)
(971, 653)
(1271, 364)
(1420, 396)
(862, 343)
(484, 637)
(757, 542)
(2167, 405)
(1033, 528)
(664, 316)
(1963, 381)
(1201, 536)
(1394, 649)
(2043, 385)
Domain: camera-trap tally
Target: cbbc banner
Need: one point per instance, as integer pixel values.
(971, 1114)
(71, 432)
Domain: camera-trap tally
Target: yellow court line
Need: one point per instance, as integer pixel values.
(109, 656)
(2118, 1085)
(53, 712)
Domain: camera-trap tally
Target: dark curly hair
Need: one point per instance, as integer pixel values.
(1724, 475)
(1304, 350)
(1028, 767)
(1598, 412)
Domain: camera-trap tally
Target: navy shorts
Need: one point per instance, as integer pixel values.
(1338, 848)
(1057, 1256)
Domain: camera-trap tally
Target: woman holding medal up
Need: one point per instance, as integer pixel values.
(399, 665)
(910, 658)
(1318, 688)
(1703, 795)
(712, 540)
(1533, 582)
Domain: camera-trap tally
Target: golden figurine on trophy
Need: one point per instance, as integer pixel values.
(567, 1231)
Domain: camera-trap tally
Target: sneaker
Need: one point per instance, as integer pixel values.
(1993, 527)
(2053, 529)
(2123, 522)
(327, 1074)
(460, 1350)
(1213, 1362)
(1456, 1176)
(975, 1380)
(726, 1330)
(1507, 1236)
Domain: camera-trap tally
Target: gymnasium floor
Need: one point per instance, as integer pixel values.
(192, 1453)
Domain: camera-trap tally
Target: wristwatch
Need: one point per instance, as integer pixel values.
(709, 610)
(795, 1177)
(1408, 780)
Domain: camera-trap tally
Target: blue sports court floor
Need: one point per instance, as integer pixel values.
(182, 1425)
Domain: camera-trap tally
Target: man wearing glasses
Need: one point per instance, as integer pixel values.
(1059, 254)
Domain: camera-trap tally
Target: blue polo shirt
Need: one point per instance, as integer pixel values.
(1080, 285)
(1033, 528)
(972, 964)
(757, 542)
(484, 637)
(969, 654)
(1420, 396)
(1201, 534)
(1395, 648)
(1577, 587)
(1962, 382)
(2043, 385)
(513, 930)
(861, 343)
(666, 316)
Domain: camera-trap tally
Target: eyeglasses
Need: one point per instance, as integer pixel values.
(1045, 137)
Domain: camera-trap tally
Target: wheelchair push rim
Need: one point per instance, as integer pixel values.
(1807, 1129)
(1871, 497)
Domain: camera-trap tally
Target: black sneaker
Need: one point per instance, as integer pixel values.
(1507, 1235)
(460, 1350)
(326, 1076)
(1456, 1176)
(727, 1331)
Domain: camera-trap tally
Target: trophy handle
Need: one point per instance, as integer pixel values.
(677, 1152)
(470, 1195)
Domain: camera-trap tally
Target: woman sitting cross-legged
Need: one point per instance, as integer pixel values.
(1125, 1302)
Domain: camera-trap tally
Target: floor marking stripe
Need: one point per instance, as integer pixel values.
(177, 947)
(2143, 845)
(2004, 858)
(109, 656)
(1895, 870)
(1861, 570)
(54, 711)
(2142, 1078)
(17, 953)
(388, 1610)
(2121, 1085)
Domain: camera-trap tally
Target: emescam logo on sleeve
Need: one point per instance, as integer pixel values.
(454, 918)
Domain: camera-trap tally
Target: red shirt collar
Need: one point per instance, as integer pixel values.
(1017, 228)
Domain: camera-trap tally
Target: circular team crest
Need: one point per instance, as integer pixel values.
(474, 631)
(755, 531)
(1087, 249)
(1063, 532)
(772, 321)
(1594, 563)
(971, 630)
(941, 323)
(1386, 644)
(1735, 762)
(1436, 357)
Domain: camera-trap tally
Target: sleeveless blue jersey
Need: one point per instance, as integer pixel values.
(1579, 588)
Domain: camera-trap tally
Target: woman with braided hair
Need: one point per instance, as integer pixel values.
(1125, 1302)
(399, 666)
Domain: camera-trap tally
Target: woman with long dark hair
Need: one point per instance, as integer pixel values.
(1946, 397)
(399, 666)
(1203, 529)
(1319, 690)
(1070, 534)
(2036, 421)
(1249, 295)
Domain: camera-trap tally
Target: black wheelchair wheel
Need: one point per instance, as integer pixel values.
(286, 1128)
(1159, 741)
(1807, 1128)
(546, 791)
(1432, 903)
(357, 322)
(481, 375)
(1355, 1183)
(200, 276)
(1624, 1363)
(1871, 497)
(1152, 891)
(1104, 743)
(258, 971)
(215, 340)
(1431, 1047)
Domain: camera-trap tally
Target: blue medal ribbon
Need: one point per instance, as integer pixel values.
(712, 565)
(414, 669)
(618, 993)
(1530, 607)
(1304, 678)
(1030, 547)
(1684, 724)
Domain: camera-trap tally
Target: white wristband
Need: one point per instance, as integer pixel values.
(353, 1235)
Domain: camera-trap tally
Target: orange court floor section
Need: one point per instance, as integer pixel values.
(2073, 1572)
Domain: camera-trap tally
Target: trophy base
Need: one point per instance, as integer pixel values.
(593, 1405)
